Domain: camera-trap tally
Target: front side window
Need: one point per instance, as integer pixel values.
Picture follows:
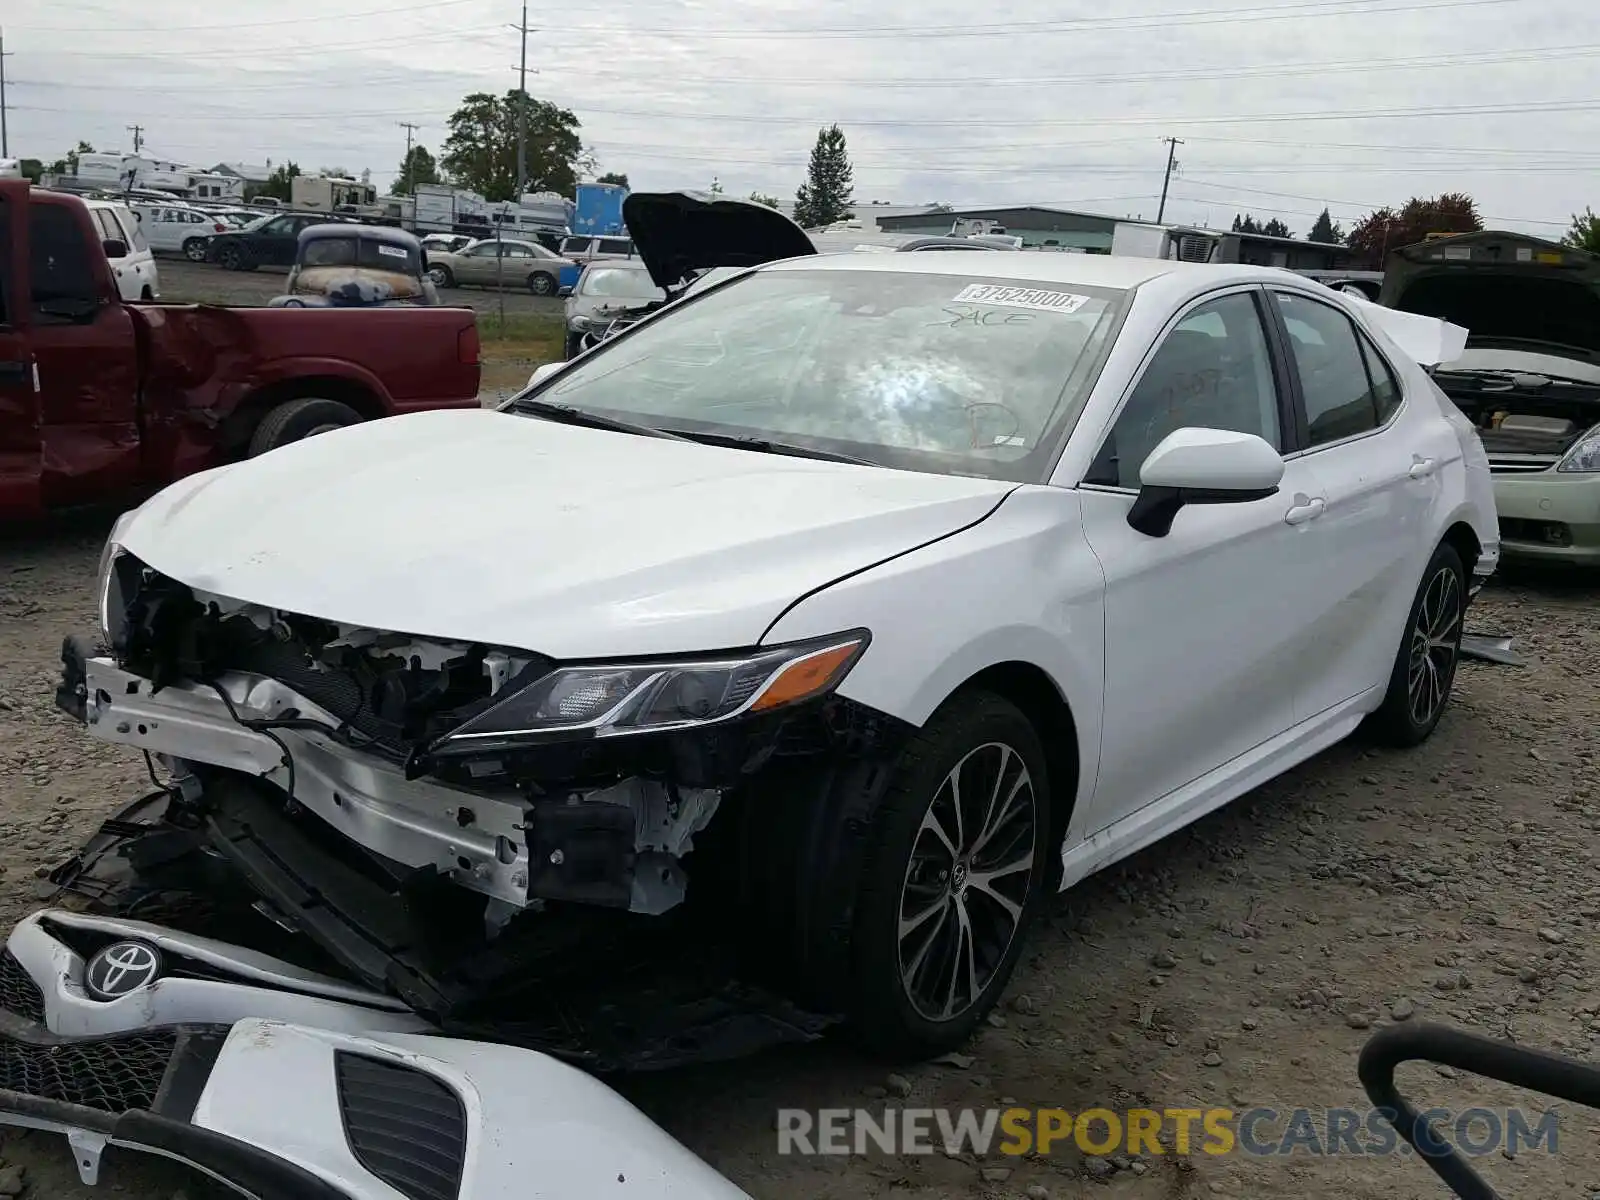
(951, 373)
(1212, 371)
(576, 245)
(280, 227)
(1337, 392)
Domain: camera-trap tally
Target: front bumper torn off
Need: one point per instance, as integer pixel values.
(475, 840)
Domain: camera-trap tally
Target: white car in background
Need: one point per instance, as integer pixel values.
(134, 268)
(874, 596)
(179, 229)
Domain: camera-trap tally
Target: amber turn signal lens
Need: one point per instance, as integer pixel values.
(806, 677)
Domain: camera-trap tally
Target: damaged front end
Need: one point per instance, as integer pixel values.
(462, 826)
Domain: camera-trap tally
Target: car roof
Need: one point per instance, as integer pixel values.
(1040, 266)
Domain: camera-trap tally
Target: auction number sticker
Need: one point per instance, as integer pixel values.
(1020, 297)
(391, 251)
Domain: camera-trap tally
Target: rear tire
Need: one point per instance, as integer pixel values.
(1425, 665)
(936, 935)
(541, 283)
(230, 258)
(441, 277)
(296, 419)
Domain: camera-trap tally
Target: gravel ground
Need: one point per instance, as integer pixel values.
(1242, 962)
(187, 282)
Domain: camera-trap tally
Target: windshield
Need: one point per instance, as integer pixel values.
(953, 373)
(259, 222)
(628, 284)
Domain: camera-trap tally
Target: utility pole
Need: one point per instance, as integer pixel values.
(138, 136)
(5, 140)
(410, 130)
(1166, 181)
(522, 108)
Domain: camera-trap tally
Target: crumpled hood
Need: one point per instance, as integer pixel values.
(514, 531)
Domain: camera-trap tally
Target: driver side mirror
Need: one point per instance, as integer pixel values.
(543, 372)
(115, 248)
(1202, 466)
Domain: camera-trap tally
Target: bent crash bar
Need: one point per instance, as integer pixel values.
(474, 839)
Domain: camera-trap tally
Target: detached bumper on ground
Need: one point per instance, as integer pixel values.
(333, 1100)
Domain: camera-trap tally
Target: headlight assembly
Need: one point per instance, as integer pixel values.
(108, 595)
(613, 699)
(1584, 457)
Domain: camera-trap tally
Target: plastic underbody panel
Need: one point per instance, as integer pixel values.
(610, 990)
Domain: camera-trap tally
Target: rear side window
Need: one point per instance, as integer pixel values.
(615, 246)
(1385, 387)
(1336, 390)
(133, 231)
(61, 265)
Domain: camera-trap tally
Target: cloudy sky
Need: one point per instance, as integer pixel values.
(1283, 106)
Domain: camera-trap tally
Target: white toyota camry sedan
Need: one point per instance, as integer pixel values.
(859, 600)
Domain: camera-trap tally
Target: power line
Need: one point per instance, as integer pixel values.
(1536, 106)
(1263, 71)
(206, 57)
(1211, 16)
(163, 30)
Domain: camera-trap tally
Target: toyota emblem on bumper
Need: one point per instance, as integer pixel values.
(120, 969)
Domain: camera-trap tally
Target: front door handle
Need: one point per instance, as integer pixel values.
(1306, 508)
(1421, 467)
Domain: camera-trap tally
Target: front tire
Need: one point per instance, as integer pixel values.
(954, 874)
(441, 276)
(1425, 666)
(542, 284)
(195, 250)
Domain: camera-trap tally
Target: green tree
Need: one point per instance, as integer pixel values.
(1276, 228)
(481, 151)
(760, 198)
(1245, 224)
(715, 190)
(826, 194)
(1584, 234)
(619, 178)
(1384, 230)
(1326, 229)
(418, 166)
(32, 169)
(278, 185)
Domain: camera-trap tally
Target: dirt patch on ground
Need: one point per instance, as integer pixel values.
(1241, 963)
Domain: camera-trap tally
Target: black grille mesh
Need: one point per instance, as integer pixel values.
(406, 1127)
(19, 994)
(111, 1074)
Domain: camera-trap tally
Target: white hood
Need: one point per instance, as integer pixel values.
(514, 531)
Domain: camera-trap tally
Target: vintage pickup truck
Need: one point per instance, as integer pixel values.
(100, 400)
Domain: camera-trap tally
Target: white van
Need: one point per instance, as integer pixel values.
(135, 268)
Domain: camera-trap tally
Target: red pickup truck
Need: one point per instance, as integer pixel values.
(100, 399)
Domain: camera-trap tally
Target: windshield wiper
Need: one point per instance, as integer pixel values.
(741, 441)
(566, 414)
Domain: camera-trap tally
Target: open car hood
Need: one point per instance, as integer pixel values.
(679, 234)
(1511, 291)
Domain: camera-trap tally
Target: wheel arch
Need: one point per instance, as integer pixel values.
(1464, 540)
(242, 422)
(1036, 694)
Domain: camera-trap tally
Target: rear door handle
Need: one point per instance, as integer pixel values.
(1421, 467)
(1306, 508)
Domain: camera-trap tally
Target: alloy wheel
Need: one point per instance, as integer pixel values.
(1435, 641)
(968, 880)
